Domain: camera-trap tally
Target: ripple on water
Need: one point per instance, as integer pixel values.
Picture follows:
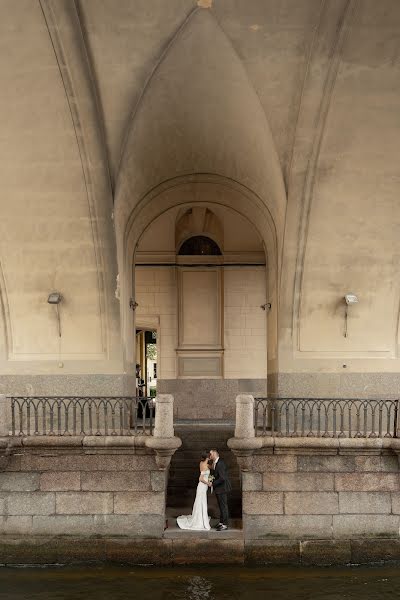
(213, 583)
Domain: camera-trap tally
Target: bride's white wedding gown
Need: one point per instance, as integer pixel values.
(199, 519)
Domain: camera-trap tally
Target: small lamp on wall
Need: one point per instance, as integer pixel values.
(55, 298)
(350, 300)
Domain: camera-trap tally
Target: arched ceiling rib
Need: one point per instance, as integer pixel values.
(52, 183)
(199, 114)
(125, 39)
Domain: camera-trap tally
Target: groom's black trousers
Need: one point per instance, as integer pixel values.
(222, 500)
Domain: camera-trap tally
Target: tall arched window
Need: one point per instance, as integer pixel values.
(200, 245)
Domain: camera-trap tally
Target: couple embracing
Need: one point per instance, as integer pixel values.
(214, 476)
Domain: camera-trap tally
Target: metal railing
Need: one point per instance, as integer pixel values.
(81, 415)
(329, 418)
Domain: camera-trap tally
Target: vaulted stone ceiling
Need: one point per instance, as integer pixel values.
(296, 99)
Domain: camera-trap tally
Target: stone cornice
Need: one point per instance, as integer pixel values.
(164, 448)
(245, 448)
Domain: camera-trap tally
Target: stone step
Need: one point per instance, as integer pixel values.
(235, 528)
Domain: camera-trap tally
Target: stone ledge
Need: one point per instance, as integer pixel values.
(314, 445)
(47, 550)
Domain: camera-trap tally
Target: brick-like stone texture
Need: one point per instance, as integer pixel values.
(205, 551)
(311, 503)
(386, 463)
(138, 551)
(39, 503)
(287, 526)
(13, 463)
(126, 503)
(2, 506)
(395, 503)
(349, 526)
(21, 525)
(263, 503)
(251, 481)
(298, 482)
(84, 503)
(144, 525)
(158, 480)
(326, 464)
(374, 550)
(19, 482)
(82, 525)
(272, 552)
(26, 550)
(282, 463)
(60, 481)
(367, 482)
(108, 481)
(89, 462)
(365, 502)
(327, 552)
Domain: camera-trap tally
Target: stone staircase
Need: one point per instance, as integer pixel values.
(183, 474)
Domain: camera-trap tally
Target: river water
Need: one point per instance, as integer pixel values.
(214, 583)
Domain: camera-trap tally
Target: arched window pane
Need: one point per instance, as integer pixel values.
(200, 245)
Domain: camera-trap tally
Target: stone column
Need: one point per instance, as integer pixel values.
(5, 416)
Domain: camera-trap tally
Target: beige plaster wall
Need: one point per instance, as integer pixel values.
(347, 236)
(245, 325)
(156, 295)
(55, 206)
(101, 103)
(244, 322)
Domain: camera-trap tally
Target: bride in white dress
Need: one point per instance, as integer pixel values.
(199, 519)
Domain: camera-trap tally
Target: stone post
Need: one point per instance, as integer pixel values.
(5, 416)
(163, 440)
(244, 427)
(164, 419)
(245, 441)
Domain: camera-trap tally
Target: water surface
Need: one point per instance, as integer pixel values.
(213, 583)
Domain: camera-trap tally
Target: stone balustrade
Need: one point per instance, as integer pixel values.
(317, 499)
(86, 485)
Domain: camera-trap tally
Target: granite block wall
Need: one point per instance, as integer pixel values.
(326, 494)
(80, 491)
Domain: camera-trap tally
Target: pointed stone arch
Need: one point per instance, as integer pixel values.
(199, 121)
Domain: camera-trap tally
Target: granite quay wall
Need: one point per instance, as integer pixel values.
(309, 498)
(85, 485)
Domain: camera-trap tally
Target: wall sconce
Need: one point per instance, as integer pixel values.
(266, 306)
(133, 304)
(55, 298)
(349, 299)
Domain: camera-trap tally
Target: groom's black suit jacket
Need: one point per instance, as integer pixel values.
(221, 483)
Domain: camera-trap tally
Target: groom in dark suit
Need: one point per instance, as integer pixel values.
(221, 486)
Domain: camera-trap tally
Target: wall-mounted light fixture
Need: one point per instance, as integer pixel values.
(133, 304)
(55, 298)
(266, 306)
(350, 300)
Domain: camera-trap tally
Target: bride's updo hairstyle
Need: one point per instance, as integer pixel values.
(204, 455)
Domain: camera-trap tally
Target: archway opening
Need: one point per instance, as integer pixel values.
(200, 275)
